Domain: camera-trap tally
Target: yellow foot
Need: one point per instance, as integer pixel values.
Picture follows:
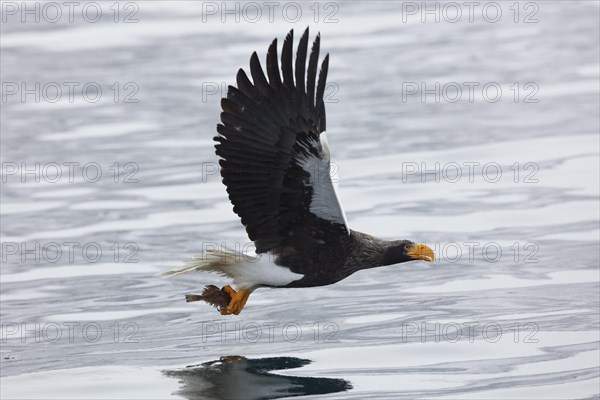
(238, 300)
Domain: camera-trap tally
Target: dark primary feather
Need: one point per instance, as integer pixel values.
(286, 61)
(312, 70)
(269, 129)
(272, 66)
(301, 61)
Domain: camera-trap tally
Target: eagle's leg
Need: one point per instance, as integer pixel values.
(238, 300)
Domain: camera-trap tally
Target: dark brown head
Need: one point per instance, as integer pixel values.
(404, 250)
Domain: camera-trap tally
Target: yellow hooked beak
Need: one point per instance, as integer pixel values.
(421, 252)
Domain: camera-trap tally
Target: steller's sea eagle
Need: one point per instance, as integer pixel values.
(275, 164)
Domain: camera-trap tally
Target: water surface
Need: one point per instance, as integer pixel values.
(509, 310)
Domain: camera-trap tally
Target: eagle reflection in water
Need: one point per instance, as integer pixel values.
(236, 377)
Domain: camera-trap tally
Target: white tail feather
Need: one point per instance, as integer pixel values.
(219, 261)
(248, 272)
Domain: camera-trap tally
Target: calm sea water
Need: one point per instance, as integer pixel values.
(103, 190)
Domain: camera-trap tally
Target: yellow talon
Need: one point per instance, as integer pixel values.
(238, 300)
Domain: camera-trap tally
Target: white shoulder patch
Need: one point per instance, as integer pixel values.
(325, 145)
(325, 202)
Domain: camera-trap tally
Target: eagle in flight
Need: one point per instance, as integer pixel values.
(275, 163)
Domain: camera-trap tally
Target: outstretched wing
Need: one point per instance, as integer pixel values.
(274, 159)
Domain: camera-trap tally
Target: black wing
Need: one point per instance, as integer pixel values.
(274, 160)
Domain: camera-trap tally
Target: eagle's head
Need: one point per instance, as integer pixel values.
(404, 250)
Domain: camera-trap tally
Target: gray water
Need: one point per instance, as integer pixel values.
(510, 309)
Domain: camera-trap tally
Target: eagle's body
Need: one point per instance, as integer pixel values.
(275, 163)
